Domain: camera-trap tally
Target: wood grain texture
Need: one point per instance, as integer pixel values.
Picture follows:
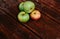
(47, 27)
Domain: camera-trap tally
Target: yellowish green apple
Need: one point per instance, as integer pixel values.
(23, 17)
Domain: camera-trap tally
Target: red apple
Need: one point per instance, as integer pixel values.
(35, 15)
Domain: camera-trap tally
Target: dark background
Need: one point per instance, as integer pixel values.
(47, 27)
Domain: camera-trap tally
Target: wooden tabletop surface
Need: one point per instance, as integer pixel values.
(47, 27)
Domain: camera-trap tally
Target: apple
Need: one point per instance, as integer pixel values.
(23, 17)
(35, 15)
(21, 6)
(29, 6)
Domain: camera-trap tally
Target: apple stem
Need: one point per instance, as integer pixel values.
(30, 8)
(22, 14)
(34, 13)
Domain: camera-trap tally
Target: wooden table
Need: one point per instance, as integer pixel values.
(47, 27)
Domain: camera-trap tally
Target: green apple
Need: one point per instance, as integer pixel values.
(35, 15)
(29, 6)
(23, 17)
(21, 6)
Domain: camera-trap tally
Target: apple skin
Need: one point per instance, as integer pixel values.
(21, 6)
(35, 15)
(29, 6)
(23, 17)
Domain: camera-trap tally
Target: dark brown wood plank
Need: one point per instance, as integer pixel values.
(47, 27)
(11, 28)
